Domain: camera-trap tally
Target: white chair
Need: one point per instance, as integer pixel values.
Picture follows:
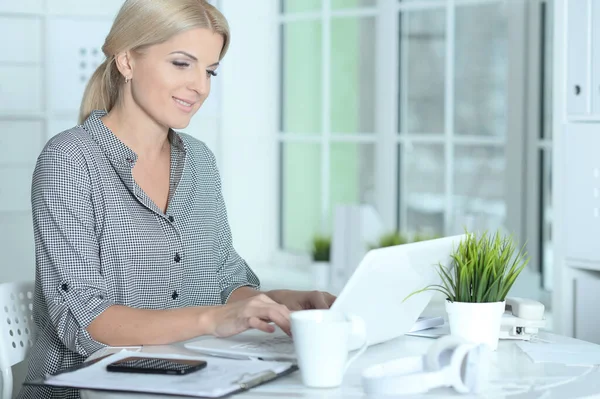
(17, 332)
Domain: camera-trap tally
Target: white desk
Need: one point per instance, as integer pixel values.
(513, 375)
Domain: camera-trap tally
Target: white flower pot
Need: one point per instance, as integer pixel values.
(477, 323)
(320, 275)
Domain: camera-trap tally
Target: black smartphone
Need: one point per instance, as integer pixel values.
(150, 365)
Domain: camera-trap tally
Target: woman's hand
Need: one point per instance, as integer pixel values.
(255, 312)
(300, 300)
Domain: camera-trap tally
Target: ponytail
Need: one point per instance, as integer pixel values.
(142, 23)
(102, 91)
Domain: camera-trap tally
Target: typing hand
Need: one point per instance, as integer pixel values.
(300, 300)
(255, 312)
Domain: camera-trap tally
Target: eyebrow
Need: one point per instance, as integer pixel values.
(194, 58)
(186, 54)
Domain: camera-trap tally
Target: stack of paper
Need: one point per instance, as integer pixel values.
(220, 377)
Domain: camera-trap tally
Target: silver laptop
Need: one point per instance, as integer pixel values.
(375, 291)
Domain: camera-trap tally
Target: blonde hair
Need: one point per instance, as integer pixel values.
(143, 23)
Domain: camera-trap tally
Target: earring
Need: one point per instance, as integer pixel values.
(126, 80)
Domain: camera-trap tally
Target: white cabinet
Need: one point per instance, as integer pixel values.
(576, 172)
(582, 83)
(587, 295)
(582, 191)
(578, 57)
(595, 71)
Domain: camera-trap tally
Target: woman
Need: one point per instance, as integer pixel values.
(132, 241)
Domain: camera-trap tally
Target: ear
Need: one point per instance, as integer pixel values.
(124, 62)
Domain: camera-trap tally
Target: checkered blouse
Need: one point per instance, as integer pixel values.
(100, 240)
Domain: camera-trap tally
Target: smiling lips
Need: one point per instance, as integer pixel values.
(184, 105)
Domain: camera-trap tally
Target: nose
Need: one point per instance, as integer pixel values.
(201, 84)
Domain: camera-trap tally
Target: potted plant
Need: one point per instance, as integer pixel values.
(389, 239)
(321, 252)
(423, 237)
(482, 272)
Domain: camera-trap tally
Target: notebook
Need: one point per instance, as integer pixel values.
(378, 292)
(221, 377)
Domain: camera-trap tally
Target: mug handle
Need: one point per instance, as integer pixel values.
(360, 329)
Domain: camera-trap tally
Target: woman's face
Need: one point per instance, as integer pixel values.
(171, 80)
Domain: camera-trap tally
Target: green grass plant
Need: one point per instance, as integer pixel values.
(483, 269)
(321, 248)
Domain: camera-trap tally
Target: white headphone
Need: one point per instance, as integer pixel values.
(449, 362)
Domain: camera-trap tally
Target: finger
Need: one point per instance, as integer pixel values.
(255, 322)
(294, 306)
(330, 299)
(280, 317)
(318, 301)
(264, 298)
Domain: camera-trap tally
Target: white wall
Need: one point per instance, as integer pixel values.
(248, 151)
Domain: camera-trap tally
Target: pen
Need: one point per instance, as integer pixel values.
(255, 379)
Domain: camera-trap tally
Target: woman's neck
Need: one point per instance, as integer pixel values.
(138, 131)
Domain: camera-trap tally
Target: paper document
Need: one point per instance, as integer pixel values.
(435, 332)
(571, 354)
(424, 323)
(220, 377)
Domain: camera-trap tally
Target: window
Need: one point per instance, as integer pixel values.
(452, 117)
(416, 107)
(327, 123)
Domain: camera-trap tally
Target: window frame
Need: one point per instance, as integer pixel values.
(522, 173)
(538, 143)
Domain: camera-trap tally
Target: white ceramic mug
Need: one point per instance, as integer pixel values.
(322, 341)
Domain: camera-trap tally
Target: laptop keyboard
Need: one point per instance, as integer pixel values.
(281, 344)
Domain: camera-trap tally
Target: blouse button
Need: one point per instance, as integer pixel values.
(171, 219)
(64, 287)
(177, 258)
(175, 295)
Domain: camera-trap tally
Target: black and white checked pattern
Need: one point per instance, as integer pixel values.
(101, 241)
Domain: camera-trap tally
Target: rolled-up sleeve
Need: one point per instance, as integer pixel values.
(233, 271)
(67, 251)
